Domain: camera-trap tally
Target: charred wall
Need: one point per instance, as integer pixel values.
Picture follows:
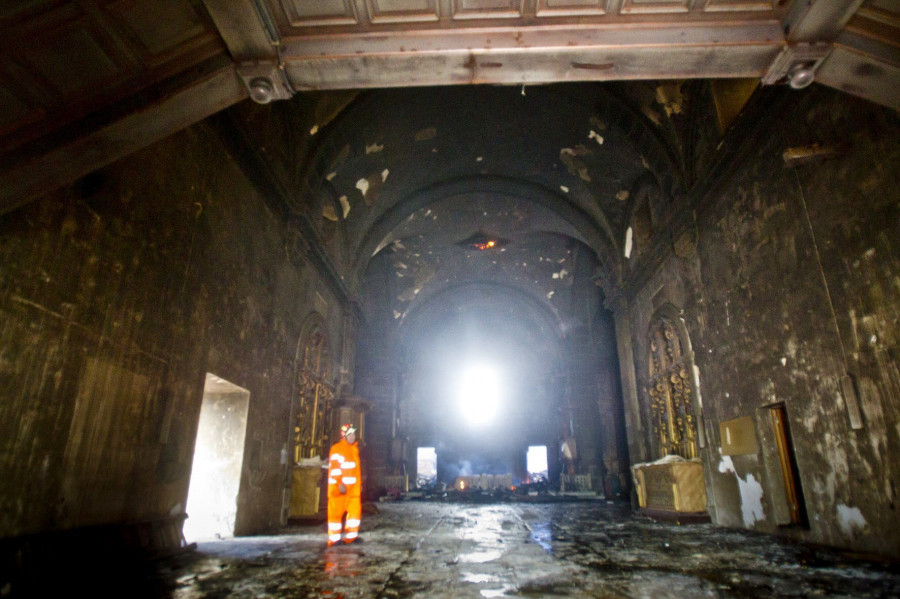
(119, 294)
(792, 285)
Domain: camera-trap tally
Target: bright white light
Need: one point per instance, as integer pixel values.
(426, 466)
(536, 460)
(479, 393)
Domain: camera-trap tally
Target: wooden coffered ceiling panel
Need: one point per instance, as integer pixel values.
(62, 60)
(385, 43)
(570, 8)
(359, 15)
(338, 44)
(323, 12)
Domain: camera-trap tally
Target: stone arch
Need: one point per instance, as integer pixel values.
(596, 234)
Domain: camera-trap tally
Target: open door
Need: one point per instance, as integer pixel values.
(793, 494)
(218, 459)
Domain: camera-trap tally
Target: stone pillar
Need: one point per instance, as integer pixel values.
(637, 442)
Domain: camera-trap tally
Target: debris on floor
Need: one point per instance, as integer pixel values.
(556, 549)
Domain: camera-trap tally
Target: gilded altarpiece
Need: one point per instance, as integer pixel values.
(671, 485)
(670, 395)
(314, 395)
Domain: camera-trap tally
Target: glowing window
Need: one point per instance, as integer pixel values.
(536, 463)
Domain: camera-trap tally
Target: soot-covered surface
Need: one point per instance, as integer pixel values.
(574, 549)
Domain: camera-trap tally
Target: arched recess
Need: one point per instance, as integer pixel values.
(597, 233)
(646, 215)
(482, 323)
(670, 397)
(313, 390)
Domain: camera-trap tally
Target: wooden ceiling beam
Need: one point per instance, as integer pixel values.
(70, 157)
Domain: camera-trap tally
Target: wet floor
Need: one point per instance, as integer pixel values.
(578, 549)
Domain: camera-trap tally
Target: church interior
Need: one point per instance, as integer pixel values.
(642, 256)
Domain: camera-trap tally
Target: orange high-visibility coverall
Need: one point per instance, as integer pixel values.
(343, 467)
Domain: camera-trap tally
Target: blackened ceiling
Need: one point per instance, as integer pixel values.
(545, 169)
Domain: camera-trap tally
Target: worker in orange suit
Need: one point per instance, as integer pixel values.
(344, 488)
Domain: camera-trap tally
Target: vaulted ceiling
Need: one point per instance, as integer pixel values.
(465, 184)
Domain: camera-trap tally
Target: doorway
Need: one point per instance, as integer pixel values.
(793, 493)
(426, 467)
(536, 464)
(218, 459)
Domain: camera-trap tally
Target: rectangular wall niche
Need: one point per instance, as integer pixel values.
(738, 436)
(218, 459)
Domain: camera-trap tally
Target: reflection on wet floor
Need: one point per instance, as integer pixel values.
(339, 562)
(540, 534)
(578, 549)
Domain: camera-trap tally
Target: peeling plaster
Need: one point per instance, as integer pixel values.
(750, 490)
(751, 501)
(628, 242)
(790, 347)
(363, 186)
(850, 518)
(568, 156)
(594, 135)
(726, 465)
(671, 98)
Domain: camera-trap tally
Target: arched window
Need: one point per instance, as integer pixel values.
(670, 393)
